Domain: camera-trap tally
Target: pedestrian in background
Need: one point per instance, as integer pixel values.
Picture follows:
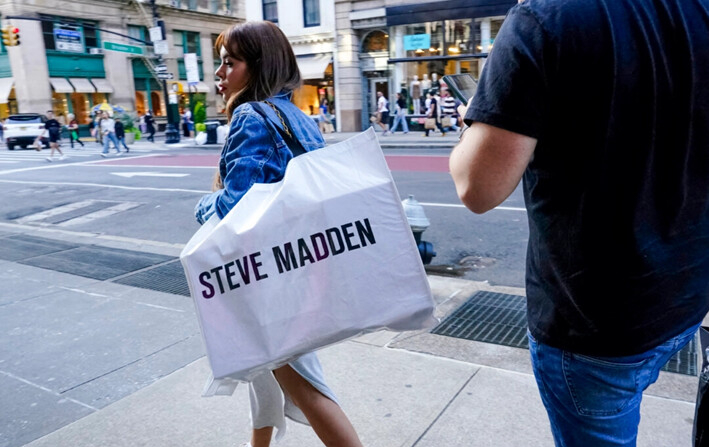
(108, 131)
(149, 125)
(121, 134)
(609, 125)
(324, 122)
(54, 130)
(383, 112)
(258, 64)
(448, 111)
(2, 136)
(400, 115)
(187, 122)
(73, 128)
(433, 112)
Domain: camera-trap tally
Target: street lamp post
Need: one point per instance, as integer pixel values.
(172, 135)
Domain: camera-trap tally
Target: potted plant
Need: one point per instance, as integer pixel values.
(132, 132)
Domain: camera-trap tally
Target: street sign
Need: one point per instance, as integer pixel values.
(122, 48)
(161, 47)
(192, 67)
(162, 68)
(156, 34)
(165, 76)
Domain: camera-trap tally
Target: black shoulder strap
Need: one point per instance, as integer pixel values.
(294, 145)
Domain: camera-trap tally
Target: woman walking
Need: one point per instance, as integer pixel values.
(73, 127)
(257, 76)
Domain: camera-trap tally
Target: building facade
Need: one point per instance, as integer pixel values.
(310, 28)
(405, 46)
(75, 56)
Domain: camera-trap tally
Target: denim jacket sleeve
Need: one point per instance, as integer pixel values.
(249, 156)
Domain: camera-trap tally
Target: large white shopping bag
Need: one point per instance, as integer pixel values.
(324, 255)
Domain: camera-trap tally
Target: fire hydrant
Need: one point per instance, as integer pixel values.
(418, 223)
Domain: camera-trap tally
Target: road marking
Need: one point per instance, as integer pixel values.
(86, 218)
(147, 174)
(101, 185)
(55, 211)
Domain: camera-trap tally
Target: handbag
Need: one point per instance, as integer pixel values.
(306, 262)
(430, 123)
(446, 121)
(701, 411)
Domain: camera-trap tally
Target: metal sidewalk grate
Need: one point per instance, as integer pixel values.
(501, 319)
(94, 262)
(16, 247)
(168, 278)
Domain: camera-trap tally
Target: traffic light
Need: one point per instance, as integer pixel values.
(11, 36)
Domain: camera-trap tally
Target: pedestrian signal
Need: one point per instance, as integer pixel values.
(10, 36)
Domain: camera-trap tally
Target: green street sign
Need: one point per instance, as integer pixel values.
(121, 47)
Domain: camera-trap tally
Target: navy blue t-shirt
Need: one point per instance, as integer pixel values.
(617, 94)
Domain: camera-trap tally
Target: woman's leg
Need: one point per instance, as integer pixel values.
(325, 416)
(261, 437)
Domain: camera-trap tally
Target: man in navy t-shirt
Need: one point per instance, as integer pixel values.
(54, 128)
(603, 107)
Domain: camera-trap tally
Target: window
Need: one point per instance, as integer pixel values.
(187, 42)
(311, 12)
(192, 4)
(69, 35)
(270, 10)
(214, 6)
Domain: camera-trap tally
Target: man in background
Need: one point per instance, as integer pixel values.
(603, 107)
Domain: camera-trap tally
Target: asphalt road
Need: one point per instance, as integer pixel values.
(150, 193)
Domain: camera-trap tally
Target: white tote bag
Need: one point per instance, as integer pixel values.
(324, 255)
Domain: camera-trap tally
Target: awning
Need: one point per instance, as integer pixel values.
(61, 85)
(102, 85)
(313, 67)
(6, 85)
(82, 85)
(202, 87)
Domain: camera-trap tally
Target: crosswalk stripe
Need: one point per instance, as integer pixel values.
(86, 218)
(55, 211)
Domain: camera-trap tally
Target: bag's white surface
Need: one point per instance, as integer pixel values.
(321, 256)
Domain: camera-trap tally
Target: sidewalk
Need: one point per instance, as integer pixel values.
(399, 389)
(398, 140)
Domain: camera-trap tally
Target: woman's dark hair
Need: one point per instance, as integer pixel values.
(270, 62)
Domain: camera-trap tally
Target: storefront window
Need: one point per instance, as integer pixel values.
(80, 107)
(60, 105)
(459, 37)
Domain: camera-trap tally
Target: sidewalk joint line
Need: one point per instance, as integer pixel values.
(25, 381)
(446, 407)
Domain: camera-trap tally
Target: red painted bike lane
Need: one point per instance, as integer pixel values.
(408, 163)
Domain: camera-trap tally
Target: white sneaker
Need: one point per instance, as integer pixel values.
(49, 159)
(103, 155)
(118, 154)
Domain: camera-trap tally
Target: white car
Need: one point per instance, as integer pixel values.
(22, 130)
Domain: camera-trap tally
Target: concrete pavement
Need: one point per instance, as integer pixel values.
(399, 389)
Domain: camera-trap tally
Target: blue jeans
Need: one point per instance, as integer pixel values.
(400, 117)
(595, 401)
(111, 136)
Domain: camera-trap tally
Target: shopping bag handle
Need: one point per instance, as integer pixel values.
(294, 145)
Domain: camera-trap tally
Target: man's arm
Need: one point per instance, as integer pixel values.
(487, 165)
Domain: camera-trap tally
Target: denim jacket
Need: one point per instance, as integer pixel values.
(252, 155)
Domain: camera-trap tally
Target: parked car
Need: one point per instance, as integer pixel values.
(22, 130)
